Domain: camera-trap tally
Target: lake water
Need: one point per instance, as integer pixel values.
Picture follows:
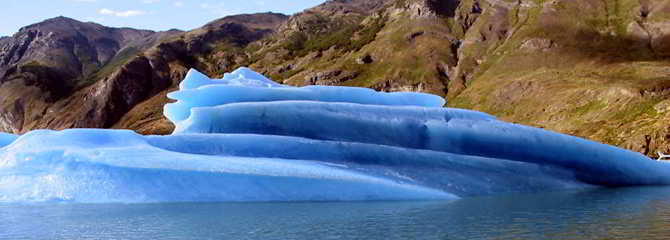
(631, 213)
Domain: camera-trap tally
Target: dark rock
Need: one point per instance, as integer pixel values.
(443, 71)
(284, 68)
(329, 78)
(413, 35)
(11, 120)
(398, 86)
(538, 44)
(365, 59)
(445, 8)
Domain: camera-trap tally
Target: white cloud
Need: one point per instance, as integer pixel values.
(178, 4)
(150, 1)
(129, 13)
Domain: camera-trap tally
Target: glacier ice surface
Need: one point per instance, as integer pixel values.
(244, 85)
(6, 139)
(247, 138)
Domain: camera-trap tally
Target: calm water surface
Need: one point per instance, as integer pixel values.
(632, 213)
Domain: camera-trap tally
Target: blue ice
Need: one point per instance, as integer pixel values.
(6, 139)
(200, 91)
(247, 138)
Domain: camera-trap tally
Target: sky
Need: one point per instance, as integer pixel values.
(155, 15)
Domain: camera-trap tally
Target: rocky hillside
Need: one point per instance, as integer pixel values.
(599, 69)
(62, 73)
(60, 54)
(44, 65)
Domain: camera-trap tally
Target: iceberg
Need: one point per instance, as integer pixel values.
(244, 85)
(247, 138)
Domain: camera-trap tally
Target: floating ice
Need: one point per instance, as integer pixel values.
(246, 138)
(121, 166)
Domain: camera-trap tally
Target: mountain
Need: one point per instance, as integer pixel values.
(63, 73)
(46, 64)
(60, 53)
(593, 68)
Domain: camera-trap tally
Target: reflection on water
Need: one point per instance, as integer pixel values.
(632, 213)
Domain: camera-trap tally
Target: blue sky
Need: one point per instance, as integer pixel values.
(142, 14)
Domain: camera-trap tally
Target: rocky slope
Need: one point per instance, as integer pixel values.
(598, 69)
(48, 84)
(66, 52)
(46, 64)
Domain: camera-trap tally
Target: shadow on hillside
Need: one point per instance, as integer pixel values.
(55, 82)
(443, 8)
(604, 46)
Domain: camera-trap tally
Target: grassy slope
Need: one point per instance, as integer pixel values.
(409, 63)
(147, 117)
(597, 81)
(590, 75)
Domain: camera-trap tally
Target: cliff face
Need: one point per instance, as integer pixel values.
(598, 69)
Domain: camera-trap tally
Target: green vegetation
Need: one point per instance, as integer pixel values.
(285, 75)
(32, 65)
(344, 36)
(400, 3)
(225, 46)
(368, 34)
(461, 102)
(253, 47)
(121, 58)
(634, 111)
(295, 42)
(589, 107)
